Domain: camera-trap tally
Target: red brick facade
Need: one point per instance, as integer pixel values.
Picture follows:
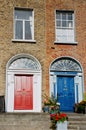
(59, 50)
(44, 49)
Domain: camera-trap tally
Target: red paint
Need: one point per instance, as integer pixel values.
(23, 94)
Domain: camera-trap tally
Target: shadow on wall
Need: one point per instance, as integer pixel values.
(2, 104)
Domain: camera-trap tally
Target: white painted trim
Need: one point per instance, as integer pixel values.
(78, 81)
(57, 42)
(74, 28)
(36, 93)
(79, 75)
(20, 56)
(37, 90)
(20, 40)
(23, 40)
(72, 58)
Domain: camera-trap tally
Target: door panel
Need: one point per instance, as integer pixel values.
(23, 95)
(66, 96)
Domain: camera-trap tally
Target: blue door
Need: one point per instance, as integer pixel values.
(65, 91)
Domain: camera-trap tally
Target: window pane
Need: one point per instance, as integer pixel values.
(58, 15)
(23, 14)
(58, 23)
(28, 30)
(64, 16)
(70, 35)
(64, 24)
(18, 30)
(70, 24)
(65, 35)
(70, 16)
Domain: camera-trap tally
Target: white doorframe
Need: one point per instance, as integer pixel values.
(67, 64)
(9, 99)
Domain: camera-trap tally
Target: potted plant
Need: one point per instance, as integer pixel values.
(58, 121)
(80, 107)
(50, 104)
(46, 103)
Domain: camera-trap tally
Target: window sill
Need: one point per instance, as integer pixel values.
(27, 41)
(69, 43)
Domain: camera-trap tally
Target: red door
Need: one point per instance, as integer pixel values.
(23, 94)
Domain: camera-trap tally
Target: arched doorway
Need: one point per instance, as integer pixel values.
(23, 73)
(66, 82)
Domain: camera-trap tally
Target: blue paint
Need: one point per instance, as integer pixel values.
(54, 90)
(77, 93)
(66, 73)
(65, 89)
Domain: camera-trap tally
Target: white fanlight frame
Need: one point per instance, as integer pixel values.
(12, 69)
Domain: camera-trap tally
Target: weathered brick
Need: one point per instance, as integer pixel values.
(8, 49)
(56, 50)
(44, 26)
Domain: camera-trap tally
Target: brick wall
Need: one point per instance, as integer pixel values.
(8, 48)
(58, 50)
(44, 23)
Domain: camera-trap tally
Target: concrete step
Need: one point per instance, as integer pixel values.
(82, 128)
(72, 127)
(76, 121)
(24, 121)
(38, 121)
(22, 127)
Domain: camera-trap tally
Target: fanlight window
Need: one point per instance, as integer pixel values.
(24, 63)
(65, 64)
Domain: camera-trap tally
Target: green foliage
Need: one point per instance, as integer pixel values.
(52, 101)
(83, 103)
(80, 107)
(57, 117)
(85, 96)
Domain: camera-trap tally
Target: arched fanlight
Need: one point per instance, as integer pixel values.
(65, 64)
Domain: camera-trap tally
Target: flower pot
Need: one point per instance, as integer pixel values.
(54, 109)
(62, 125)
(46, 109)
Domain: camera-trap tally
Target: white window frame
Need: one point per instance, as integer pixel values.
(61, 28)
(23, 20)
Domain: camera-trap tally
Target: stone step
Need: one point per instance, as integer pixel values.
(24, 121)
(22, 127)
(72, 127)
(76, 121)
(28, 116)
(38, 121)
(78, 128)
(74, 114)
(82, 128)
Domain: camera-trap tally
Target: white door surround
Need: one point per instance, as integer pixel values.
(28, 65)
(67, 66)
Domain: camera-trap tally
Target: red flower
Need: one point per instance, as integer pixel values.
(58, 117)
(52, 116)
